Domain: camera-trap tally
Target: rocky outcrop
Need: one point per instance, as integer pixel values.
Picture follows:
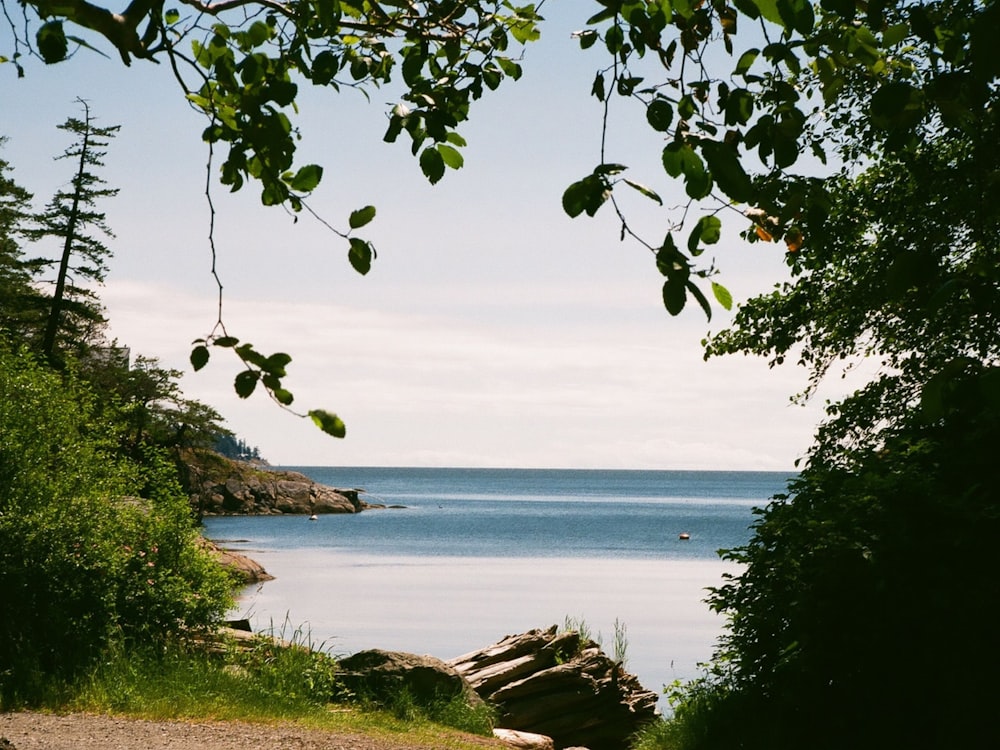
(220, 486)
(559, 685)
(245, 570)
(380, 675)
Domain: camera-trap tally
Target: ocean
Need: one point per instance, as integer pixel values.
(473, 555)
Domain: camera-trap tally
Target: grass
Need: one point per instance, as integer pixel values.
(265, 684)
(620, 645)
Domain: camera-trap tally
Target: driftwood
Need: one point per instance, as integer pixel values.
(559, 685)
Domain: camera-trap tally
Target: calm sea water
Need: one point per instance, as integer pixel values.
(477, 554)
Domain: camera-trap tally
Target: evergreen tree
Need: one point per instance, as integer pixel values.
(20, 302)
(74, 316)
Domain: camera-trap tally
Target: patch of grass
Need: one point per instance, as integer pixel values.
(662, 734)
(620, 646)
(265, 684)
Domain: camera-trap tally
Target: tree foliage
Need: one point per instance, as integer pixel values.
(95, 549)
(241, 63)
(860, 617)
(73, 317)
(761, 102)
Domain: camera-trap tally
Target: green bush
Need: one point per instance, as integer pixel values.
(85, 562)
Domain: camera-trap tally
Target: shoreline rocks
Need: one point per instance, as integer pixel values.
(247, 570)
(220, 486)
(561, 686)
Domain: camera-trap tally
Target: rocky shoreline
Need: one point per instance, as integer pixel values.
(551, 689)
(221, 486)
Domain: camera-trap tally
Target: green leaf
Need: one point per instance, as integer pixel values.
(172, 16)
(769, 9)
(598, 87)
(728, 173)
(589, 194)
(678, 159)
(674, 294)
(307, 178)
(707, 230)
(894, 34)
(722, 295)
(609, 168)
(587, 38)
(644, 190)
(686, 107)
(361, 217)
(258, 33)
(331, 424)
(432, 164)
(660, 114)
(452, 157)
(283, 397)
(746, 60)
(614, 38)
(700, 296)
(199, 357)
(226, 341)
(246, 382)
(276, 363)
(51, 42)
(796, 14)
(360, 255)
(324, 68)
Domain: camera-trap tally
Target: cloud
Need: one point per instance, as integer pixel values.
(430, 384)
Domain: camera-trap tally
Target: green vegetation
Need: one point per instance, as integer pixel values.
(265, 683)
(862, 136)
(96, 551)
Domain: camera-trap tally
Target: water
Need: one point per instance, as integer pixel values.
(477, 554)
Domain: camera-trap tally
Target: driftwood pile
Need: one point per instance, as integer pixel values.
(559, 685)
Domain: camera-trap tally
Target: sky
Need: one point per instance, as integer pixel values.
(492, 330)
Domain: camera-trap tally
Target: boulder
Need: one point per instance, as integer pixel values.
(382, 675)
(562, 686)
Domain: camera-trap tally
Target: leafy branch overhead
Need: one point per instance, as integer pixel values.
(242, 62)
(758, 101)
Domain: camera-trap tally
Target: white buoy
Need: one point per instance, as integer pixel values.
(313, 517)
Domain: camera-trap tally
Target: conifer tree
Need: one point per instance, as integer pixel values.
(19, 300)
(72, 218)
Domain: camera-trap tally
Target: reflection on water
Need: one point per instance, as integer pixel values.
(447, 606)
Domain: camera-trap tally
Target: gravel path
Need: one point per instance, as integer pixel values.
(31, 731)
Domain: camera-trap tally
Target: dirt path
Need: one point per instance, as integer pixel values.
(30, 731)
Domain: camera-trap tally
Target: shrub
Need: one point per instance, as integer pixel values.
(84, 560)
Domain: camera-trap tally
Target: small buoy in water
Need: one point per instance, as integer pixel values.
(684, 536)
(313, 517)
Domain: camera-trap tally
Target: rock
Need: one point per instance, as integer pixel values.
(524, 740)
(246, 570)
(217, 485)
(6, 744)
(562, 686)
(381, 675)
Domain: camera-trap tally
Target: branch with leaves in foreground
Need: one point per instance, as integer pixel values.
(241, 64)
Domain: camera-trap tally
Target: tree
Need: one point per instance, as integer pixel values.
(74, 315)
(859, 617)
(20, 303)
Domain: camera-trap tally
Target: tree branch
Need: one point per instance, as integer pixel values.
(117, 28)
